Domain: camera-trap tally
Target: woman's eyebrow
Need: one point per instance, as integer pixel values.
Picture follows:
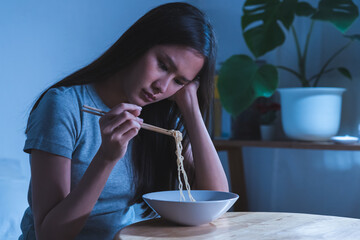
(174, 67)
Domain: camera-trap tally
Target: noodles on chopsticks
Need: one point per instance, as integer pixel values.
(180, 166)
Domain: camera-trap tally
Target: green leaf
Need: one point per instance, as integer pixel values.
(304, 9)
(261, 23)
(287, 12)
(345, 72)
(264, 86)
(241, 81)
(341, 13)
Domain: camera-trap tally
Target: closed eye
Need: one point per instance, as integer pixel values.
(162, 66)
(179, 82)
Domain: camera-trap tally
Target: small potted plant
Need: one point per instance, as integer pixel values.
(268, 113)
(264, 26)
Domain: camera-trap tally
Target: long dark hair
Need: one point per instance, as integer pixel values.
(153, 155)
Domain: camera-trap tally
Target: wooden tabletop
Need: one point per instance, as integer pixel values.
(250, 225)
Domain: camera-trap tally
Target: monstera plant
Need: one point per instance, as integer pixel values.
(265, 25)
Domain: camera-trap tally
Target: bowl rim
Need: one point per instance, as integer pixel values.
(234, 196)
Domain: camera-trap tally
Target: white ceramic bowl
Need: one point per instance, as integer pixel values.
(209, 205)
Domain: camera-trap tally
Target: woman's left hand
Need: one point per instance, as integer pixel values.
(186, 97)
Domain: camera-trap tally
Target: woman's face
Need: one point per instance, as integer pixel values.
(160, 73)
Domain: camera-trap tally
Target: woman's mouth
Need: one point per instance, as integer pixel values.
(148, 96)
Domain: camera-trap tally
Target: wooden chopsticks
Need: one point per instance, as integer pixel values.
(93, 110)
(146, 126)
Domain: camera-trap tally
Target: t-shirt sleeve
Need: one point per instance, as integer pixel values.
(52, 126)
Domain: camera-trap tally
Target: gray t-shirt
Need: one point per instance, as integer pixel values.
(60, 127)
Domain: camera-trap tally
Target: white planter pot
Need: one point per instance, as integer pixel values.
(267, 132)
(311, 114)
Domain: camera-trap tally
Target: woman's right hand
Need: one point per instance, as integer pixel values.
(118, 127)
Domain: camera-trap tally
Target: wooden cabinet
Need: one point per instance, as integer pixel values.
(236, 165)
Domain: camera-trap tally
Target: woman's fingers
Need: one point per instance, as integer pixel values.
(114, 121)
(119, 121)
(127, 130)
(117, 127)
(119, 114)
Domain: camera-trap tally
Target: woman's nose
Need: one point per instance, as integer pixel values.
(161, 85)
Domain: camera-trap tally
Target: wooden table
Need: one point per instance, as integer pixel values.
(250, 225)
(236, 165)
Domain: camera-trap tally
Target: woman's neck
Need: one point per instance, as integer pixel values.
(110, 91)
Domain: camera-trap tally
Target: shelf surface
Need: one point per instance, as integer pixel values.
(221, 144)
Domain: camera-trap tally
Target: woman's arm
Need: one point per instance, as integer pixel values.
(209, 173)
(60, 213)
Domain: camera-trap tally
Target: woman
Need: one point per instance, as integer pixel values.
(87, 172)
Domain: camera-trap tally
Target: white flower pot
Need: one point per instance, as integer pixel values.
(311, 114)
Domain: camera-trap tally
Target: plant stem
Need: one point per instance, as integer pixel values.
(301, 64)
(297, 44)
(316, 75)
(306, 51)
(290, 70)
(322, 71)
